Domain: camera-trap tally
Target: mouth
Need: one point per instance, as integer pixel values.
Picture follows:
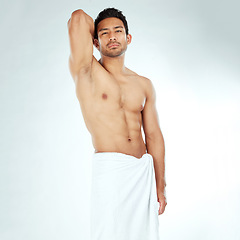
(113, 45)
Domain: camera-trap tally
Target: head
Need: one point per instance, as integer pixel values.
(111, 27)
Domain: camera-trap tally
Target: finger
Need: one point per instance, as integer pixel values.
(162, 207)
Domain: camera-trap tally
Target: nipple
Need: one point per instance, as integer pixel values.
(104, 96)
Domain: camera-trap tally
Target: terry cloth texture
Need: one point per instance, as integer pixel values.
(124, 202)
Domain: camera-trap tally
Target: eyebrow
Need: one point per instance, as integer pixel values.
(108, 28)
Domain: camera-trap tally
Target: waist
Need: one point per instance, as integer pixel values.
(118, 156)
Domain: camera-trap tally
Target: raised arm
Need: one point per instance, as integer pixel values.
(81, 32)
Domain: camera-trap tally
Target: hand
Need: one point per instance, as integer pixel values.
(162, 202)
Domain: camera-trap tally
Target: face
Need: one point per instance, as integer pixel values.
(112, 40)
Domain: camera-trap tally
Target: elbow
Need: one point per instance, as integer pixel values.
(80, 15)
(154, 135)
(77, 16)
(77, 13)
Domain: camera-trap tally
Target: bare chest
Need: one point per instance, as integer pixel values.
(126, 93)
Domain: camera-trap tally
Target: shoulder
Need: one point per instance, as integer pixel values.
(146, 83)
(149, 87)
(146, 80)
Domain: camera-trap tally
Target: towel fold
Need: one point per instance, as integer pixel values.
(124, 202)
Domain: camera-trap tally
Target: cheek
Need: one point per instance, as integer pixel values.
(102, 41)
(124, 37)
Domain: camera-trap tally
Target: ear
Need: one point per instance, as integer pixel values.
(96, 44)
(129, 38)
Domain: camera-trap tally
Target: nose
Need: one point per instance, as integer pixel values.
(112, 37)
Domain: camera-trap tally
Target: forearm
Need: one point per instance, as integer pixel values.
(91, 24)
(80, 15)
(156, 147)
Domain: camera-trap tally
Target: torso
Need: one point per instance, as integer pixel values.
(111, 108)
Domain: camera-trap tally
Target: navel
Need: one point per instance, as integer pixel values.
(104, 96)
(129, 139)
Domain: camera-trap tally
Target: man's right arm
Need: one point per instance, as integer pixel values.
(81, 32)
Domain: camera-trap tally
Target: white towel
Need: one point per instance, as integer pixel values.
(124, 202)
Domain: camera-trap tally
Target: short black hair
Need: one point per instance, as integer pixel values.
(107, 13)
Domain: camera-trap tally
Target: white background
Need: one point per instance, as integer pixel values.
(189, 49)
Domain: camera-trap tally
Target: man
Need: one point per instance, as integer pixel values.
(116, 103)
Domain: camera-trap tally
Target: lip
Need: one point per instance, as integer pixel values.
(114, 45)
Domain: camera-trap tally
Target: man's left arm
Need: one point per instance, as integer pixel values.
(155, 142)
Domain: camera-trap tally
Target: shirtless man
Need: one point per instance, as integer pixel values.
(115, 101)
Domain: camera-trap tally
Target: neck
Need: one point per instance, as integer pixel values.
(114, 65)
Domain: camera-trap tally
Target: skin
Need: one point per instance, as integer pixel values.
(117, 104)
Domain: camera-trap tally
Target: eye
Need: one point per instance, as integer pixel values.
(118, 31)
(105, 33)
